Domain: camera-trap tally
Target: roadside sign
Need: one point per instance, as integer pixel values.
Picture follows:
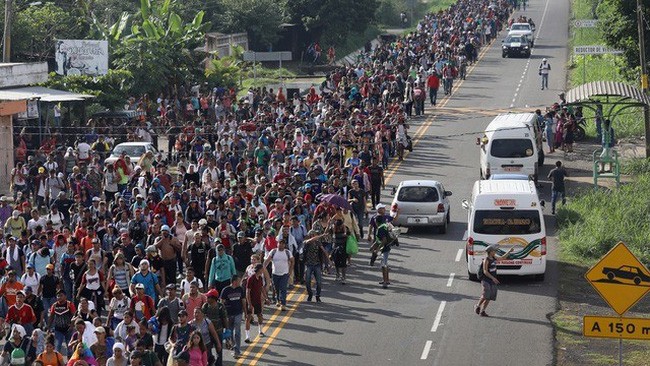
(613, 327)
(585, 23)
(595, 50)
(620, 278)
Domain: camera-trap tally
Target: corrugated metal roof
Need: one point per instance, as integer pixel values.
(584, 92)
(41, 93)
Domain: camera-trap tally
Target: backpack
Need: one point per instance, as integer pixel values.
(285, 252)
(479, 273)
(18, 357)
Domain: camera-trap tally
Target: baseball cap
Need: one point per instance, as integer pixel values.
(209, 213)
(171, 286)
(49, 266)
(380, 206)
(165, 228)
(241, 234)
(96, 199)
(212, 293)
(100, 329)
(203, 222)
(139, 285)
(152, 249)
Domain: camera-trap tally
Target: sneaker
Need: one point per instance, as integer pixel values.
(262, 335)
(381, 282)
(283, 308)
(277, 304)
(318, 299)
(477, 309)
(247, 340)
(385, 285)
(483, 313)
(309, 298)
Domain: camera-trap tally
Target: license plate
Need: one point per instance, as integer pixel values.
(417, 220)
(512, 168)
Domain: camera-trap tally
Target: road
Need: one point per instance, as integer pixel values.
(426, 317)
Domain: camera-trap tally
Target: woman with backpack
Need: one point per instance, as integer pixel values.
(487, 273)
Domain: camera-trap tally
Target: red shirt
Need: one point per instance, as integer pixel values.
(254, 285)
(433, 82)
(24, 315)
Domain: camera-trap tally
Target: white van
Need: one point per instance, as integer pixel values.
(507, 213)
(510, 144)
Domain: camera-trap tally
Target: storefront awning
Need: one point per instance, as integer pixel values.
(43, 94)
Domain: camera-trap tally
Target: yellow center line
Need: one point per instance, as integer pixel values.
(265, 329)
(391, 171)
(276, 332)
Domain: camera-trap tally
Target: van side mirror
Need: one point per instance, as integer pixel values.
(465, 204)
(542, 203)
(448, 193)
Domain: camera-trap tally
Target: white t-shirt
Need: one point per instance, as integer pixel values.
(84, 150)
(119, 307)
(31, 281)
(185, 285)
(280, 261)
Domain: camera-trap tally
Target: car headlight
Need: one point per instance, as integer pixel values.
(505, 47)
(525, 47)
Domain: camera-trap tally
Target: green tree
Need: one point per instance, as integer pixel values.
(226, 71)
(332, 21)
(617, 21)
(36, 28)
(110, 90)
(159, 49)
(260, 19)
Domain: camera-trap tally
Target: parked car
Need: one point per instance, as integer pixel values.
(132, 149)
(516, 45)
(635, 274)
(421, 203)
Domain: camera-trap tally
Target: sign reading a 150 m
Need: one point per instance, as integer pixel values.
(585, 23)
(595, 50)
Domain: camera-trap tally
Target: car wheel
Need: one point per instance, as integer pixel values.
(503, 55)
(472, 276)
(610, 275)
(637, 280)
(449, 216)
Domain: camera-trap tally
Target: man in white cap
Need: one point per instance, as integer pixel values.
(147, 279)
(372, 227)
(544, 69)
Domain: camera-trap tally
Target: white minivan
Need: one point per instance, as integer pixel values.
(507, 213)
(510, 145)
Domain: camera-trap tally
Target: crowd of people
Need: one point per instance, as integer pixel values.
(162, 259)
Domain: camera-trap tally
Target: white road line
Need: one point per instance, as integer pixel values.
(451, 279)
(436, 321)
(459, 254)
(425, 351)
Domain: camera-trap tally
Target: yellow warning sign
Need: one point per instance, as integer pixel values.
(620, 278)
(613, 327)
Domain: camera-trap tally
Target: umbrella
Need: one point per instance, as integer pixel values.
(336, 200)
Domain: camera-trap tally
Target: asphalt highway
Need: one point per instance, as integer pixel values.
(426, 316)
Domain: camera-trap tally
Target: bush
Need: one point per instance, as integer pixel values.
(595, 220)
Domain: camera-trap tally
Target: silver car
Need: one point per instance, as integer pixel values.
(421, 203)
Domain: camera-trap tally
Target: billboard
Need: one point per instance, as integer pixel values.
(81, 57)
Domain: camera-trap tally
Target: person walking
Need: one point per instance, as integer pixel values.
(314, 254)
(222, 268)
(282, 264)
(544, 69)
(557, 175)
(382, 244)
(489, 280)
(433, 83)
(234, 297)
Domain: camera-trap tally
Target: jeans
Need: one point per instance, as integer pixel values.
(359, 215)
(433, 95)
(235, 324)
(47, 304)
(554, 196)
(280, 283)
(375, 194)
(314, 270)
(67, 287)
(61, 341)
(544, 81)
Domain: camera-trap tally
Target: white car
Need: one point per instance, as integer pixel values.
(522, 29)
(421, 203)
(134, 150)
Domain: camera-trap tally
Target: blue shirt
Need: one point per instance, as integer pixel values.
(149, 281)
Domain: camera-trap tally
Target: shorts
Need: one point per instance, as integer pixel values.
(384, 259)
(489, 290)
(257, 309)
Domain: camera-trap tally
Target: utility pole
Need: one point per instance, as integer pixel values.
(644, 74)
(6, 40)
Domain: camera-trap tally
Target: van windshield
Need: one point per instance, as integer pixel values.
(507, 222)
(417, 194)
(511, 148)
